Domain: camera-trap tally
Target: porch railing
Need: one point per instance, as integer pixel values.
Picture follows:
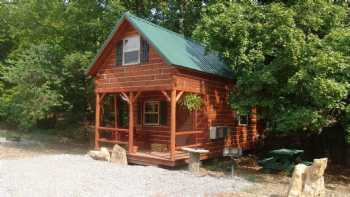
(194, 133)
(115, 133)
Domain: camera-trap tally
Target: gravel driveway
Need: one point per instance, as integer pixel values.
(78, 175)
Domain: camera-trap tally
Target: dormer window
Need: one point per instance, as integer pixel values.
(131, 50)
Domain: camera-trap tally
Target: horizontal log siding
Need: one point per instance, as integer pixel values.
(154, 75)
(159, 134)
(217, 112)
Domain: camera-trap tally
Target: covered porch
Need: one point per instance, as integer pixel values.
(156, 127)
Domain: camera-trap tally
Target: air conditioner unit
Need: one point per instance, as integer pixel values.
(218, 132)
(213, 133)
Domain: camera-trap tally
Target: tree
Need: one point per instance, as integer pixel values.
(180, 16)
(53, 41)
(6, 42)
(70, 32)
(289, 58)
(76, 88)
(34, 93)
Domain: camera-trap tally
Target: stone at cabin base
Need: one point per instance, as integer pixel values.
(102, 154)
(119, 155)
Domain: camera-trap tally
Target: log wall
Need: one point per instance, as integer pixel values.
(157, 75)
(154, 75)
(217, 112)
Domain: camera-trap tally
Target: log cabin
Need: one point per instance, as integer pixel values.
(141, 73)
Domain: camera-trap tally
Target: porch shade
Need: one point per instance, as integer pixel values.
(163, 113)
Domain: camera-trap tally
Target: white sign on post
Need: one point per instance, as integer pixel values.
(232, 152)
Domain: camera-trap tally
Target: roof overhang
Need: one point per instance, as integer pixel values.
(92, 67)
(159, 46)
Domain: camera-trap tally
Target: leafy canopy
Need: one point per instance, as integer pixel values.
(35, 81)
(290, 58)
(46, 46)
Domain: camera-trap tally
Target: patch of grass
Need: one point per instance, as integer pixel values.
(7, 134)
(75, 133)
(217, 164)
(250, 178)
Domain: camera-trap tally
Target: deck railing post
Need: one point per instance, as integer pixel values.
(97, 122)
(131, 123)
(173, 125)
(116, 108)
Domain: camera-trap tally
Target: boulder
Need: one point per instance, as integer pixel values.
(102, 154)
(296, 185)
(308, 181)
(119, 155)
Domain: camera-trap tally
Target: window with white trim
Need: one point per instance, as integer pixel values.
(131, 50)
(151, 113)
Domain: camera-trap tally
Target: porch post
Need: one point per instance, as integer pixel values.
(115, 111)
(173, 125)
(97, 121)
(116, 115)
(131, 123)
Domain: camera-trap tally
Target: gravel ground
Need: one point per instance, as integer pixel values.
(78, 175)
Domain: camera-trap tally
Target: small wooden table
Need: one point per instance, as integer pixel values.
(194, 161)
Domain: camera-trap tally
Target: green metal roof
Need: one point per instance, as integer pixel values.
(176, 49)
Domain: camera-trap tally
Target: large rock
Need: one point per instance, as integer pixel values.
(308, 181)
(296, 185)
(119, 155)
(102, 154)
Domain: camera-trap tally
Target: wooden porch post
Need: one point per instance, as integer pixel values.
(131, 123)
(173, 125)
(115, 111)
(97, 121)
(116, 115)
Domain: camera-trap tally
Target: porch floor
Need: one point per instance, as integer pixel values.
(157, 158)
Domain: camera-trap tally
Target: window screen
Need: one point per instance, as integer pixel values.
(131, 57)
(151, 113)
(131, 50)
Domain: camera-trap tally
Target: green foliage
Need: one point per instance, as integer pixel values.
(34, 79)
(76, 88)
(290, 58)
(191, 101)
(347, 129)
(46, 47)
(50, 45)
(346, 123)
(6, 42)
(179, 16)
